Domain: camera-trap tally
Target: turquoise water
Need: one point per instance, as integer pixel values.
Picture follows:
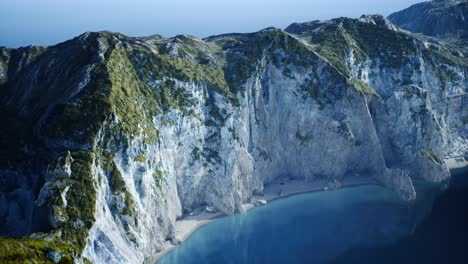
(308, 228)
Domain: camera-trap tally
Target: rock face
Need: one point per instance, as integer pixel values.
(434, 18)
(120, 136)
(444, 19)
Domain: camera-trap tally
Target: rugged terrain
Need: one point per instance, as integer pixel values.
(435, 18)
(108, 139)
(445, 19)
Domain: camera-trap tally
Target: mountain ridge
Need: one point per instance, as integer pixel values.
(121, 136)
(433, 18)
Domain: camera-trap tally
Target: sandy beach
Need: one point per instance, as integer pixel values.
(280, 188)
(456, 163)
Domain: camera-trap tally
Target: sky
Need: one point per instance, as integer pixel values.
(47, 22)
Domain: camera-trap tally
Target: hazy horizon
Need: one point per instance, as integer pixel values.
(47, 22)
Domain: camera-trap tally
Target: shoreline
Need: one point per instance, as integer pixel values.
(279, 189)
(456, 163)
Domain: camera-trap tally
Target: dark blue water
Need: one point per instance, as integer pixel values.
(442, 237)
(321, 227)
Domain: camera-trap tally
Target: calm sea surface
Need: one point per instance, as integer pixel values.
(367, 224)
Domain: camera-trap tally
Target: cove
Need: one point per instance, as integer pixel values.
(316, 227)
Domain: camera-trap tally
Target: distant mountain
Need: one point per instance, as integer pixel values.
(435, 18)
(445, 20)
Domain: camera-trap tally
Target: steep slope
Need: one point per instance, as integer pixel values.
(434, 18)
(444, 19)
(110, 139)
(408, 74)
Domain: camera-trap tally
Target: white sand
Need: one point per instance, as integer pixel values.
(280, 188)
(456, 163)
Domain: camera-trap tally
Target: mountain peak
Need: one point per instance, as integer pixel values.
(434, 18)
(378, 20)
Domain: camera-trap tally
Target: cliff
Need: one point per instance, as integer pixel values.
(433, 18)
(109, 139)
(444, 19)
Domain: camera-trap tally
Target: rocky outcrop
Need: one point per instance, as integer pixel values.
(143, 130)
(433, 18)
(443, 19)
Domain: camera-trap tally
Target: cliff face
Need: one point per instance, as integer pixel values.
(433, 18)
(110, 139)
(444, 19)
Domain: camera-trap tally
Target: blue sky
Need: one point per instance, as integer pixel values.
(46, 22)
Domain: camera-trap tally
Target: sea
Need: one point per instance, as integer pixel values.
(365, 224)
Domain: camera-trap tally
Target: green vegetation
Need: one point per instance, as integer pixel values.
(334, 44)
(208, 154)
(116, 181)
(432, 156)
(33, 250)
(79, 214)
(115, 90)
(171, 98)
(362, 87)
(233, 134)
(196, 153)
(129, 208)
(141, 158)
(256, 46)
(81, 198)
(132, 100)
(61, 161)
(105, 158)
(365, 40)
(443, 61)
(37, 51)
(158, 177)
(154, 66)
(118, 187)
(187, 47)
(439, 54)
(134, 83)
